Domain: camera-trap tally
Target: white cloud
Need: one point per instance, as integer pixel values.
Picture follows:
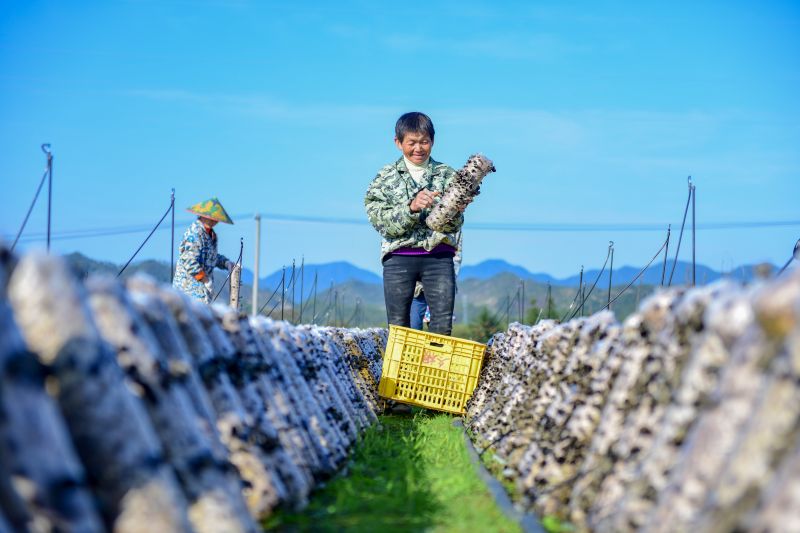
(538, 47)
(636, 142)
(265, 106)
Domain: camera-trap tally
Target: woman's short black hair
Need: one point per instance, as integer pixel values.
(414, 122)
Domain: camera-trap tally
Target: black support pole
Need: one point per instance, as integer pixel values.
(694, 242)
(293, 282)
(46, 150)
(314, 309)
(549, 299)
(666, 253)
(172, 241)
(583, 298)
(302, 285)
(610, 274)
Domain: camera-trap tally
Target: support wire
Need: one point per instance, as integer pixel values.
(642, 271)
(170, 208)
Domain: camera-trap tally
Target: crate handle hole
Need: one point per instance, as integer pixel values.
(437, 344)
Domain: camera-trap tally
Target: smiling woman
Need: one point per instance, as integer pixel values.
(416, 147)
(397, 202)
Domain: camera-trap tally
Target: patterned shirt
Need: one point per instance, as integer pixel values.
(198, 257)
(387, 204)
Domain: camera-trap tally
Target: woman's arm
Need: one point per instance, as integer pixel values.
(390, 218)
(222, 262)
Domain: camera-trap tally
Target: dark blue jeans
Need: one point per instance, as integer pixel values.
(418, 307)
(400, 275)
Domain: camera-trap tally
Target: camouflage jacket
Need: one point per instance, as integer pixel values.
(387, 203)
(198, 254)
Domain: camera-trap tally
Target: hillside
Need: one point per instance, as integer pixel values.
(622, 274)
(348, 295)
(327, 273)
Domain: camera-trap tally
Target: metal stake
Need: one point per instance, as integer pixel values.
(293, 282)
(283, 290)
(256, 264)
(45, 176)
(172, 240)
(666, 253)
(610, 274)
(549, 300)
(46, 150)
(314, 310)
(335, 307)
(302, 285)
(583, 297)
(694, 262)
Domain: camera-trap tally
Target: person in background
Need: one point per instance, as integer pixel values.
(420, 313)
(198, 254)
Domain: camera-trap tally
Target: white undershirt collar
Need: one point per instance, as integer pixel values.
(416, 171)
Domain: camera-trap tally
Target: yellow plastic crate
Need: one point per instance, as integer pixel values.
(430, 370)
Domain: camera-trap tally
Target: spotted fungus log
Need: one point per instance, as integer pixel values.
(464, 187)
(684, 417)
(42, 481)
(133, 408)
(191, 447)
(136, 488)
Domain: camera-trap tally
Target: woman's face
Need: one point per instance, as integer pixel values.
(207, 222)
(416, 147)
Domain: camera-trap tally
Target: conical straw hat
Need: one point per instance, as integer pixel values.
(212, 209)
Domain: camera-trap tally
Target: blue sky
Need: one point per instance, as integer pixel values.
(595, 113)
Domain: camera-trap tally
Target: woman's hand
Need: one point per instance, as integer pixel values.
(423, 200)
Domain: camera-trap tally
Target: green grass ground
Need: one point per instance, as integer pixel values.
(409, 473)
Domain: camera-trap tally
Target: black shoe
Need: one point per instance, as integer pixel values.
(400, 409)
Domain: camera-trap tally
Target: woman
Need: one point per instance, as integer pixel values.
(198, 251)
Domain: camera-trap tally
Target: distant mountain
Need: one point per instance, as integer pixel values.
(491, 267)
(652, 276)
(83, 266)
(620, 276)
(327, 273)
(341, 272)
(356, 297)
